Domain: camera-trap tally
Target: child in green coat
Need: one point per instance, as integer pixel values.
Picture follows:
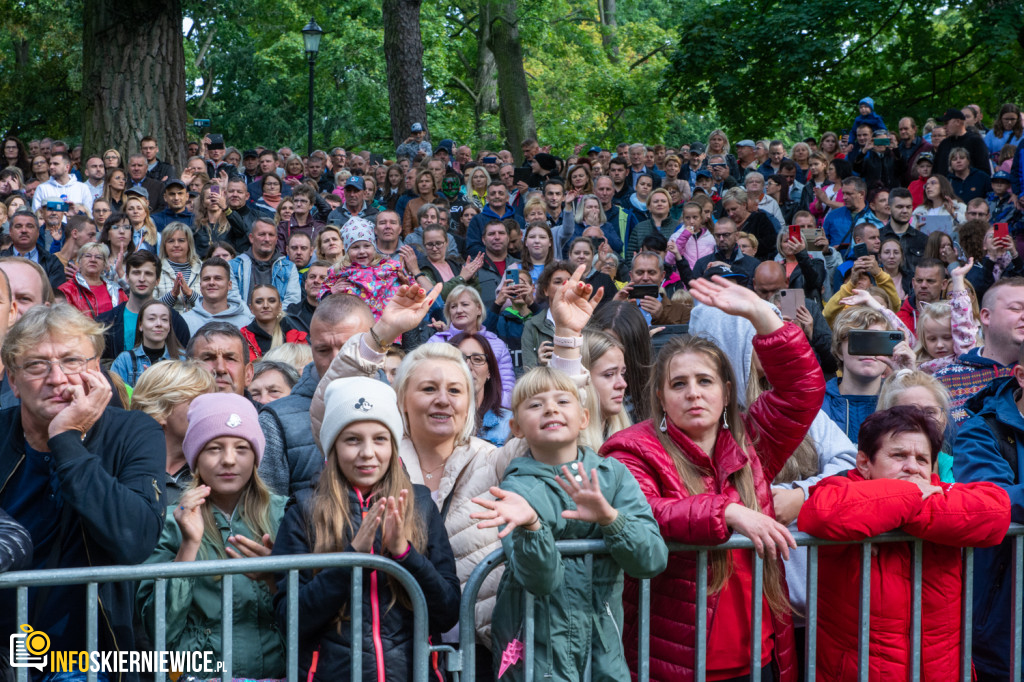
(560, 491)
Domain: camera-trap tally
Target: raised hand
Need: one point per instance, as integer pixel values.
(409, 259)
(585, 492)
(508, 509)
(736, 300)
(960, 272)
(363, 541)
(404, 311)
(471, 267)
(189, 517)
(861, 297)
(574, 303)
(87, 401)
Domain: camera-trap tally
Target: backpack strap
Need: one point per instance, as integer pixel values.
(1007, 440)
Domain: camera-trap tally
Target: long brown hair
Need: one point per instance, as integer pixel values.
(692, 475)
(331, 521)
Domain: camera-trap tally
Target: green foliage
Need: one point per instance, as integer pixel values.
(41, 68)
(770, 65)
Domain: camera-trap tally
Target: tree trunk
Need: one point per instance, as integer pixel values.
(486, 69)
(133, 81)
(403, 54)
(513, 93)
(608, 25)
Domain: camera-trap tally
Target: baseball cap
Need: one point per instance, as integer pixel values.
(596, 150)
(746, 143)
(925, 156)
(442, 148)
(953, 113)
(138, 191)
(357, 182)
(175, 182)
(697, 148)
(250, 154)
(703, 173)
(417, 127)
(728, 273)
(1002, 176)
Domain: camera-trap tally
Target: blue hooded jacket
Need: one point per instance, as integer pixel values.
(872, 119)
(847, 411)
(977, 457)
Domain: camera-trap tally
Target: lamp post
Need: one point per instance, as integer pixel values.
(311, 37)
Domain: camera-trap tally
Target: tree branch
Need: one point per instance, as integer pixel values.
(870, 39)
(205, 47)
(647, 56)
(469, 90)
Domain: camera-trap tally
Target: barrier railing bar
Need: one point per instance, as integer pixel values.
(227, 623)
(864, 636)
(645, 631)
(756, 612)
(811, 639)
(1018, 576)
(530, 653)
(293, 626)
(92, 609)
(967, 615)
(357, 623)
(22, 618)
(160, 626)
(915, 612)
(467, 609)
(588, 564)
(701, 634)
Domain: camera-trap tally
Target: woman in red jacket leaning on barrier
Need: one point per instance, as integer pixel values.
(706, 468)
(893, 488)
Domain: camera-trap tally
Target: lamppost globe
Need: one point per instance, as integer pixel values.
(311, 35)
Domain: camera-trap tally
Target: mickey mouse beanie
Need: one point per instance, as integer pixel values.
(355, 400)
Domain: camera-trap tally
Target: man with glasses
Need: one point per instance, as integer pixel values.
(155, 168)
(84, 479)
(727, 254)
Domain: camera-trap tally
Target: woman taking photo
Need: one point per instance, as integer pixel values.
(718, 145)
(113, 188)
(269, 328)
(803, 271)
(179, 270)
(426, 193)
(144, 234)
(438, 268)
(154, 341)
(88, 291)
(699, 443)
(491, 418)
(939, 200)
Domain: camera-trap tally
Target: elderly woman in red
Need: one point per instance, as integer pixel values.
(705, 467)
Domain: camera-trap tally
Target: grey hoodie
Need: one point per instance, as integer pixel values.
(237, 314)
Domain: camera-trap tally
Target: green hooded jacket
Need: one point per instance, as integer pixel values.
(575, 615)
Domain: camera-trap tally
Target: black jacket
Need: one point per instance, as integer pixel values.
(155, 188)
(113, 337)
(50, 264)
(15, 545)
(322, 597)
(975, 146)
(808, 275)
(111, 486)
(913, 242)
(162, 170)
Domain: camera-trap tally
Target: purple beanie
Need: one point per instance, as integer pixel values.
(214, 415)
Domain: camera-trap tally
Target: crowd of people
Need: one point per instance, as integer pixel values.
(443, 353)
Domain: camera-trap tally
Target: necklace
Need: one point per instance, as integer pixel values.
(429, 473)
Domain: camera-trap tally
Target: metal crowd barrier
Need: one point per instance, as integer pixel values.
(461, 661)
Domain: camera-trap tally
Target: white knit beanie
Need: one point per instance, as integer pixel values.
(359, 399)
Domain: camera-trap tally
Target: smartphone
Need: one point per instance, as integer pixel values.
(512, 275)
(881, 141)
(214, 189)
(643, 290)
(795, 232)
(1000, 230)
(201, 122)
(789, 300)
(810, 234)
(57, 205)
(522, 175)
(860, 250)
(597, 242)
(872, 342)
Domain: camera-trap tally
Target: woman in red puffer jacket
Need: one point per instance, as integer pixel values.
(706, 468)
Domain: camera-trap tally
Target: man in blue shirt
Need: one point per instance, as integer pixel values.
(839, 222)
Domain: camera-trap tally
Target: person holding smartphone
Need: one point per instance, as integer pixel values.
(644, 289)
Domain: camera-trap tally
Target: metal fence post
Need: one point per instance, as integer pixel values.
(915, 612)
(92, 606)
(864, 636)
(811, 638)
(160, 625)
(756, 611)
(227, 622)
(967, 615)
(701, 626)
(292, 643)
(1015, 631)
(357, 623)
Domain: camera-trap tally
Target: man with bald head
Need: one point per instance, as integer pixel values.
(769, 279)
(291, 458)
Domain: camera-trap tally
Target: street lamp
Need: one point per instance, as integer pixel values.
(311, 37)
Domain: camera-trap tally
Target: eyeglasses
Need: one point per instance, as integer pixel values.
(69, 365)
(109, 156)
(120, 227)
(723, 235)
(475, 359)
(434, 245)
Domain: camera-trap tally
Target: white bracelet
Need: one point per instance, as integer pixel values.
(568, 341)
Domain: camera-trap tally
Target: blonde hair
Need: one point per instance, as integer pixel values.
(255, 506)
(601, 427)
(905, 379)
(60, 321)
(457, 292)
(937, 311)
(692, 476)
(804, 461)
(277, 338)
(298, 355)
(750, 238)
(170, 383)
(173, 229)
(151, 235)
(542, 379)
(103, 250)
(431, 353)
